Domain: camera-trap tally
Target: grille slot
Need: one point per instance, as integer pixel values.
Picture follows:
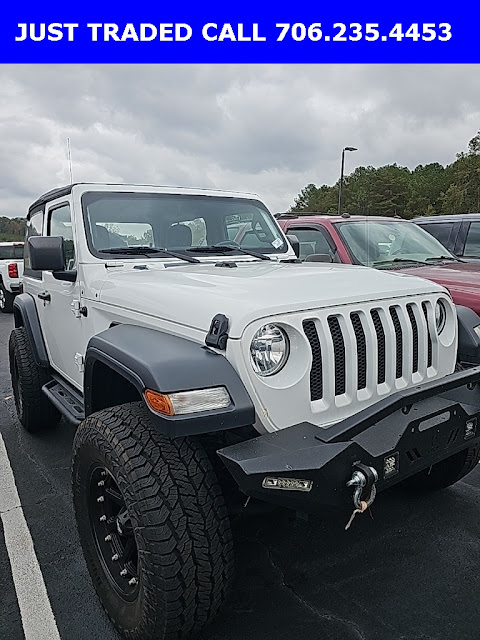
(413, 322)
(316, 372)
(377, 323)
(361, 350)
(398, 342)
(429, 337)
(339, 352)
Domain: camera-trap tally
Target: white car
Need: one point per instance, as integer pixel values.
(11, 271)
(183, 355)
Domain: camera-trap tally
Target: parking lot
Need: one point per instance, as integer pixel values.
(407, 571)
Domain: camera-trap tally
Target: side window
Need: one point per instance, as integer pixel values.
(472, 244)
(60, 224)
(33, 228)
(312, 241)
(441, 231)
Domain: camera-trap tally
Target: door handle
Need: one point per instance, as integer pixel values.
(45, 296)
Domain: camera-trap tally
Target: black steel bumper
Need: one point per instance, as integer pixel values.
(307, 468)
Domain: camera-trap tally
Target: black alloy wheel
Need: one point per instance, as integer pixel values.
(114, 534)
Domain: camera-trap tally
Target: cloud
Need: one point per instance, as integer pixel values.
(270, 129)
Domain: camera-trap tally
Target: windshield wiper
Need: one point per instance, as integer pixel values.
(443, 258)
(225, 248)
(148, 251)
(411, 260)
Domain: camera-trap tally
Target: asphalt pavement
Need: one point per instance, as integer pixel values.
(407, 571)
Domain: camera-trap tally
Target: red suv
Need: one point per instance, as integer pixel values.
(384, 243)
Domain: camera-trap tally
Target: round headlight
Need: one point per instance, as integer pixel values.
(269, 350)
(440, 316)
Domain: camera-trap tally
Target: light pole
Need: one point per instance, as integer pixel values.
(341, 178)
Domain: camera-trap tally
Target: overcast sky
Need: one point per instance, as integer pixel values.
(268, 129)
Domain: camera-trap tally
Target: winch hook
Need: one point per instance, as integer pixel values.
(363, 479)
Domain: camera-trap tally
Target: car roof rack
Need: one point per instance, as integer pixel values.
(298, 214)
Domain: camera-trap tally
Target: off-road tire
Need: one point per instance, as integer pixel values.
(445, 473)
(179, 519)
(34, 410)
(6, 300)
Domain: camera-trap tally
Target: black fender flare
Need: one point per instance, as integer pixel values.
(152, 359)
(25, 315)
(468, 339)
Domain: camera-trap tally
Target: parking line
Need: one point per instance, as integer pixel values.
(37, 617)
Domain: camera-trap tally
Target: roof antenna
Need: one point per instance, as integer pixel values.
(69, 155)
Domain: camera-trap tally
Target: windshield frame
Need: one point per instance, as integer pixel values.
(390, 264)
(284, 249)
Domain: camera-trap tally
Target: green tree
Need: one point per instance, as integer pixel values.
(390, 190)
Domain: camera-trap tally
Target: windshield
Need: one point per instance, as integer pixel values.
(11, 252)
(377, 243)
(177, 222)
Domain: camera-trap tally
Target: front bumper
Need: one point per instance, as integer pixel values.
(399, 436)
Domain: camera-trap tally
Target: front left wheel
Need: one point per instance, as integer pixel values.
(152, 523)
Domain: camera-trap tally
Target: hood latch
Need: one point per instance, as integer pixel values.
(217, 335)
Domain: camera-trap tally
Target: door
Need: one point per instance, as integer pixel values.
(59, 302)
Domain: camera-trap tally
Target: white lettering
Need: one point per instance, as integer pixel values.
(241, 37)
(129, 33)
(144, 36)
(256, 37)
(110, 30)
(227, 33)
(23, 32)
(178, 32)
(70, 27)
(166, 32)
(94, 26)
(33, 34)
(205, 30)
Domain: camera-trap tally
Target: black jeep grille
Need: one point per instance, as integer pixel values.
(352, 338)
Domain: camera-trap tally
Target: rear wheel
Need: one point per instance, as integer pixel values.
(34, 410)
(445, 473)
(152, 523)
(6, 300)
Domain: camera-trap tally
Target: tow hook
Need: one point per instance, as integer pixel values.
(363, 479)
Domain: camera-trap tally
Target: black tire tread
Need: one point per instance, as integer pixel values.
(447, 472)
(183, 530)
(38, 412)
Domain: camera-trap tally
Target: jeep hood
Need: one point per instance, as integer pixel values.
(192, 294)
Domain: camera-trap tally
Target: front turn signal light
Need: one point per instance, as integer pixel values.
(185, 402)
(159, 402)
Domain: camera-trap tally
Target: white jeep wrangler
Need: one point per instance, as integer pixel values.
(180, 333)
(11, 270)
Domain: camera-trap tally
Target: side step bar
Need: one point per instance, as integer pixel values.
(66, 399)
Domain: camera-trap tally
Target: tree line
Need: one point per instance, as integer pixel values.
(12, 229)
(428, 190)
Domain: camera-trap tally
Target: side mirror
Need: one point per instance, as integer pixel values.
(319, 257)
(46, 253)
(295, 243)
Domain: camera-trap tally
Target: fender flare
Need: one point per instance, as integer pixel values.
(468, 338)
(151, 359)
(26, 315)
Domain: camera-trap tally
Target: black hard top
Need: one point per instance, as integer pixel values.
(51, 195)
(457, 217)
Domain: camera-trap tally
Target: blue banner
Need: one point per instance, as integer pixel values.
(243, 32)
